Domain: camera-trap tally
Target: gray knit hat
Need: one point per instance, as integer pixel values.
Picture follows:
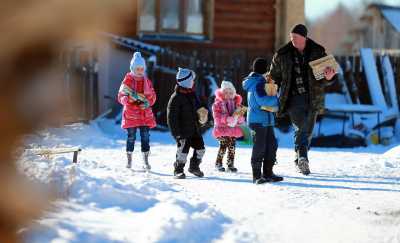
(185, 77)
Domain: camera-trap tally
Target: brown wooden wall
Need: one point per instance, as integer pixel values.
(241, 24)
(246, 24)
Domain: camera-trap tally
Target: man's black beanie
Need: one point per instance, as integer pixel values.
(260, 65)
(300, 29)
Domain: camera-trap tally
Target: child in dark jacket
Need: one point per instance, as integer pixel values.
(260, 119)
(185, 116)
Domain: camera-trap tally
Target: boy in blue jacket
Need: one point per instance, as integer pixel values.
(261, 120)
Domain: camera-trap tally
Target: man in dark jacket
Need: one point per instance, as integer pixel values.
(301, 96)
(184, 123)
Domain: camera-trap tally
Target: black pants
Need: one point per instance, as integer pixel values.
(264, 150)
(196, 142)
(144, 137)
(303, 120)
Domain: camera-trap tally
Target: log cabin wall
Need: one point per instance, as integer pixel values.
(239, 24)
(248, 24)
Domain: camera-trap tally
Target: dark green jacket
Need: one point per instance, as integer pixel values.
(281, 73)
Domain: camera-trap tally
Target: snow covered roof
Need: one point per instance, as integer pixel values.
(391, 14)
(134, 44)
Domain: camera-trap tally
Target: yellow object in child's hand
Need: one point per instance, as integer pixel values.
(203, 115)
(271, 89)
(240, 111)
(141, 96)
(131, 99)
(270, 108)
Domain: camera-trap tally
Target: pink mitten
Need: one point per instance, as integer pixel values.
(240, 120)
(124, 100)
(232, 121)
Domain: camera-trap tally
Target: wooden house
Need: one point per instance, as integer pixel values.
(379, 28)
(216, 38)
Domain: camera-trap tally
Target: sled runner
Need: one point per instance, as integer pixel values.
(50, 151)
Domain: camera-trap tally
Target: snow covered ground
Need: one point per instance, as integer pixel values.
(352, 195)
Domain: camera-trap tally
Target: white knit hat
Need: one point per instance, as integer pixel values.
(185, 77)
(227, 85)
(137, 61)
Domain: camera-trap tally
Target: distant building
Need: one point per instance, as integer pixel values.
(379, 28)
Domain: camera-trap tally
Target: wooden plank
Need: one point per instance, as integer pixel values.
(247, 8)
(239, 18)
(48, 151)
(236, 27)
(245, 35)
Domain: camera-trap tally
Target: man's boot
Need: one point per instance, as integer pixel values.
(303, 161)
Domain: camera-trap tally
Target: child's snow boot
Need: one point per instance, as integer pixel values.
(194, 167)
(268, 173)
(231, 168)
(129, 156)
(178, 170)
(146, 164)
(219, 167)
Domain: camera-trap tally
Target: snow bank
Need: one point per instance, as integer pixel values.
(102, 201)
(93, 194)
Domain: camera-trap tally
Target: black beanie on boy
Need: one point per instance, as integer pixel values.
(260, 65)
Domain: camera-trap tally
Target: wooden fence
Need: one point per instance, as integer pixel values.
(234, 65)
(221, 64)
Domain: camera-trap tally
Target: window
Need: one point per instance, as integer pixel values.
(174, 17)
(147, 15)
(170, 14)
(195, 23)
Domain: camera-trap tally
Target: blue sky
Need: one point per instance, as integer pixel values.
(317, 8)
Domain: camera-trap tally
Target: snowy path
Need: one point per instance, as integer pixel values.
(349, 197)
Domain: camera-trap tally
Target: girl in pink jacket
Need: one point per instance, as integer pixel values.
(226, 123)
(137, 96)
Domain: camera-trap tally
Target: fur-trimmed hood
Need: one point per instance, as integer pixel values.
(219, 97)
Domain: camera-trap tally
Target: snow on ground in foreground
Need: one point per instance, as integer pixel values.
(352, 195)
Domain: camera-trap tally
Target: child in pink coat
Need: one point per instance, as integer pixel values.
(137, 95)
(226, 123)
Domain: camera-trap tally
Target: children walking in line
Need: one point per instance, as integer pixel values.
(137, 96)
(185, 116)
(260, 119)
(228, 116)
